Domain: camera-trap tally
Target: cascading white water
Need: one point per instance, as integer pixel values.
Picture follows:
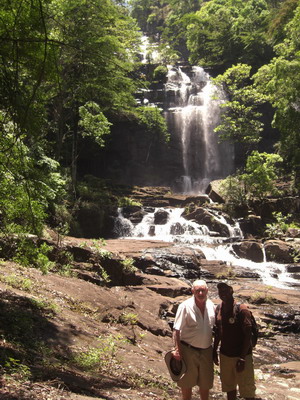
(149, 52)
(192, 114)
(175, 228)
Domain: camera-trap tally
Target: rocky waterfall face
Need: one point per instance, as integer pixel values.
(192, 110)
(193, 157)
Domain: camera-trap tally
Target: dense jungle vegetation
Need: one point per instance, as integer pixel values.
(70, 69)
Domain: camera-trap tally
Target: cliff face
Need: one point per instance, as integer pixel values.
(133, 156)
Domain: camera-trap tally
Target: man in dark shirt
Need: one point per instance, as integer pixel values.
(233, 330)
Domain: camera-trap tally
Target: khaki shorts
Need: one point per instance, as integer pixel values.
(200, 368)
(230, 378)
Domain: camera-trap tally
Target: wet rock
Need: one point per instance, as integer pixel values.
(151, 231)
(293, 232)
(129, 210)
(278, 251)
(204, 217)
(214, 192)
(153, 270)
(251, 225)
(137, 217)
(177, 229)
(293, 268)
(183, 200)
(161, 217)
(250, 250)
(171, 291)
(268, 206)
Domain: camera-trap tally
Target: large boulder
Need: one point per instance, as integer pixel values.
(250, 250)
(214, 192)
(252, 225)
(278, 251)
(204, 217)
(161, 217)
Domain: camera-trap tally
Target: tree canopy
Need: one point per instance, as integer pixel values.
(69, 69)
(65, 66)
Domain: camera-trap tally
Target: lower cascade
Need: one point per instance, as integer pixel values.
(216, 241)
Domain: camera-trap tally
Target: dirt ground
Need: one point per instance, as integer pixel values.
(68, 316)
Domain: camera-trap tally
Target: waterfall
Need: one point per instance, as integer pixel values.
(192, 112)
(174, 228)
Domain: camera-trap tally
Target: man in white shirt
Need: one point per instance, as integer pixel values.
(193, 327)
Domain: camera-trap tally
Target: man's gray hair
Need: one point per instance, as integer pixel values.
(199, 282)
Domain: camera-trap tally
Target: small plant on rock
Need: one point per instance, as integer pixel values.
(128, 265)
(279, 228)
(130, 319)
(17, 282)
(262, 298)
(100, 357)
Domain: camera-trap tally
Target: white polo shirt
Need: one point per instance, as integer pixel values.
(194, 328)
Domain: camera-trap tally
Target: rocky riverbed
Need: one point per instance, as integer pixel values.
(158, 287)
(117, 300)
(138, 304)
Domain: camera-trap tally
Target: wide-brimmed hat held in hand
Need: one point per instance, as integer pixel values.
(177, 368)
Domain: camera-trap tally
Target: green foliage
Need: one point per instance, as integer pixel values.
(68, 70)
(228, 273)
(225, 32)
(160, 73)
(48, 308)
(258, 180)
(31, 255)
(93, 122)
(29, 182)
(279, 81)
(99, 358)
(281, 16)
(260, 173)
(279, 227)
(130, 319)
(233, 190)
(176, 23)
(18, 282)
(63, 68)
(128, 265)
(15, 367)
(154, 123)
(126, 201)
(240, 119)
(262, 298)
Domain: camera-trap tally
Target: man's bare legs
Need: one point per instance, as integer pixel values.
(204, 393)
(232, 396)
(187, 393)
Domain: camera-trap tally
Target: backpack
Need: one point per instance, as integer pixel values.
(254, 326)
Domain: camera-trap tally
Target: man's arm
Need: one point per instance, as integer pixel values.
(216, 343)
(246, 340)
(177, 345)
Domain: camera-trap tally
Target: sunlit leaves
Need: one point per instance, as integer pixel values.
(27, 186)
(260, 173)
(225, 32)
(154, 123)
(279, 81)
(93, 122)
(240, 119)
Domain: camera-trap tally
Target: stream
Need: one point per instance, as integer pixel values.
(174, 228)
